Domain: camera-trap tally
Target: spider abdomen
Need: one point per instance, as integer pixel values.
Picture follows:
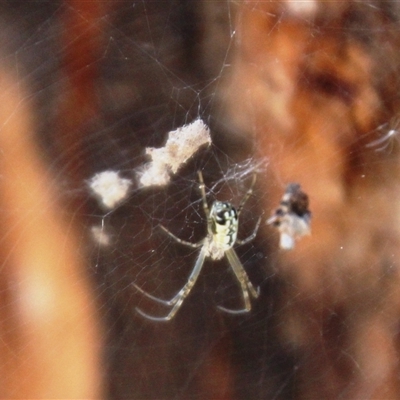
(223, 227)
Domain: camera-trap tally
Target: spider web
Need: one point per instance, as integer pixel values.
(163, 65)
(140, 252)
(137, 250)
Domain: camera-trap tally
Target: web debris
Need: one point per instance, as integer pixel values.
(100, 236)
(181, 144)
(109, 188)
(292, 218)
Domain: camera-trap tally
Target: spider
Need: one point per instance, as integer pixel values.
(222, 229)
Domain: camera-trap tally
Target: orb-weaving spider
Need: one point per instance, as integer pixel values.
(222, 227)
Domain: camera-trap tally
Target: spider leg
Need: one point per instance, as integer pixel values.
(246, 285)
(150, 317)
(184, 242)
(178, 299)
(247, 195)
(157, 299)
(252, 236)
(243, 310)
(173, 300)
(203, 194)
(240, 272)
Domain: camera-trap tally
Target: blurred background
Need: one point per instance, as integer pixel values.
(300, 91)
